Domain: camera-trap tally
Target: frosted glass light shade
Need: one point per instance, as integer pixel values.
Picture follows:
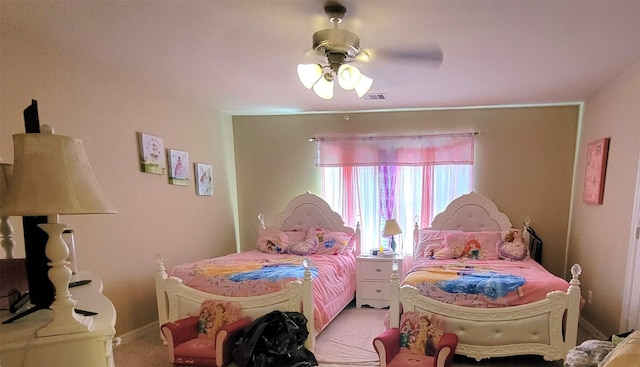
(309, 74)
(365, 84)
(324, 88)
(348, 76)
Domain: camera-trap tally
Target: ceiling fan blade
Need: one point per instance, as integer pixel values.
(313, 57)
(431, 54)
(363, 56)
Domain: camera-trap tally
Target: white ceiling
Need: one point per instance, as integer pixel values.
(240, 56)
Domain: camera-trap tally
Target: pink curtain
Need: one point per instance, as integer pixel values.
(382, 150)
(387, 153)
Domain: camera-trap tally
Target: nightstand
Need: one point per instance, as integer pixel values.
(373, 276)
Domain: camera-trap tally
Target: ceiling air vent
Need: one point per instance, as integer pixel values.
(375, 96)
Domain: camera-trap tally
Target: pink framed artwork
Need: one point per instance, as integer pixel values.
(597, 152)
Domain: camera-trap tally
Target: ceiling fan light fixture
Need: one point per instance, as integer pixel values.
(324, 86)
(364, 85)
(309, 74)
(348, 76)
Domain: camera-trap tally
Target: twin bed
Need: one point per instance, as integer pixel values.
(495, 311)
(490, 292)
(304, 262)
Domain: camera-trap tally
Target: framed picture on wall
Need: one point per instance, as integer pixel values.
(204, 179)
(179, 167)
(595, 172)
(152, 154)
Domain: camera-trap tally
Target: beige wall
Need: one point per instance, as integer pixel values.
(87, 100)
(524, 161)
(600, 234)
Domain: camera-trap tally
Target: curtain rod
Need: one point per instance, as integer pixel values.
(383, 137)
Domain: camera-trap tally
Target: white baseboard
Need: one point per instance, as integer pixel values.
(138, 333)
(591, 330)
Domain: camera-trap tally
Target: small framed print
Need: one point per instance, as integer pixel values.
(204, 179)
(179, 167)
(595, 172)
(152, 154)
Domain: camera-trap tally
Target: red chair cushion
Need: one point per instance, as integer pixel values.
(410, 359)
(196, 352)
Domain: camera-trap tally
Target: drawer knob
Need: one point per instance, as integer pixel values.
(378, 270)
(378, 291)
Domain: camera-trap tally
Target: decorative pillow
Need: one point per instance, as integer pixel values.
(215, 314)
(304, 248)
(474, 245)
(512, 247)
(296, 235)
(420, 332)
(625, 354)
(429, 242)
(444, 253)
(589, 353)
(329, 243)
(351, 245)
(273, 241)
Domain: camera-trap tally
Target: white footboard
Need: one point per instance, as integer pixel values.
(176, 300)
(535, 328)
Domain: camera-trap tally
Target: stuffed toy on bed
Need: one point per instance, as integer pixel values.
(512, 246)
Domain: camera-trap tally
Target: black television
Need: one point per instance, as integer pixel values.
(41, 290)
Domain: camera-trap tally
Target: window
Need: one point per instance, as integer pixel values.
(354, 192)
(367, 193)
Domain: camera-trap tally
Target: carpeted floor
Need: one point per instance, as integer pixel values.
(347, 341)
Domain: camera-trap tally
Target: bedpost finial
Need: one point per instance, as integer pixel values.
(159, 258)
(576, 270)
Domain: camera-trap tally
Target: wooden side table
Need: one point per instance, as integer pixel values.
(20, 347)
(373, 276)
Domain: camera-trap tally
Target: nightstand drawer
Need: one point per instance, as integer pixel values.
(377, 270)
(375, 290)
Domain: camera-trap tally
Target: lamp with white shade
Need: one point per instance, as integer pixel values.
(52, 176)
(391, 228)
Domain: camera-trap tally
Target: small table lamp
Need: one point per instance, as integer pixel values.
(391, 228)
(52, 176)
(6, 230)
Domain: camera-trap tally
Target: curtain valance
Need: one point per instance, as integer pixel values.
(387, 150)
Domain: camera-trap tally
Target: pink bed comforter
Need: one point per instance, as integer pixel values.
(254, 273)
(483, 283)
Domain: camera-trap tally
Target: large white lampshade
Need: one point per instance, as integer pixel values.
(52, 176)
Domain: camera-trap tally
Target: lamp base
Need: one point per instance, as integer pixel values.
(393, 244)
(60, 325)
(65, 320)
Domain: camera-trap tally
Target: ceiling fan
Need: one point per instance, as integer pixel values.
(335, 49)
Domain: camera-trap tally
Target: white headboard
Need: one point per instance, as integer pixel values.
(472, 212)
(308, 210)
